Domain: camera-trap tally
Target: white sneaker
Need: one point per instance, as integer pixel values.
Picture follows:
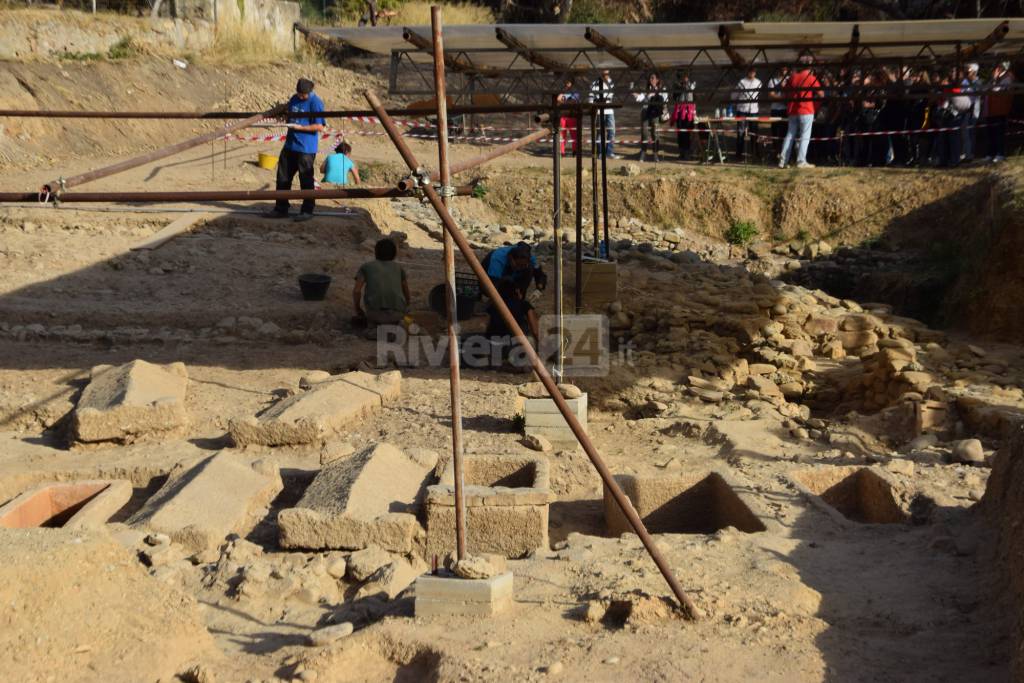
(805, 164)
(782, 164)
(997, 159)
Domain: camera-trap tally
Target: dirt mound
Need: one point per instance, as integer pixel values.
(145, 84)
(846, 206)
(86, 610)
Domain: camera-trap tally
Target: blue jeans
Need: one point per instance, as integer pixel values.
(799, 125)
(609, 133)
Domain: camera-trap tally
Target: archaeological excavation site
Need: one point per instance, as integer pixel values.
(506, 387)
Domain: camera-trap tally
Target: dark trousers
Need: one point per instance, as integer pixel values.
(997, 137)
(779, 131)
(683, 138)
(288, 164)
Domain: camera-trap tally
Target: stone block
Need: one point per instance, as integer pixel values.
(370, 498)
(201, 504)
(453, 596)
(542, 418)
(322, 411)
(506, 501)
(132, 402)
(69, 505)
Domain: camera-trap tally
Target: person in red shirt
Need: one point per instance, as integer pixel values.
(800, 89)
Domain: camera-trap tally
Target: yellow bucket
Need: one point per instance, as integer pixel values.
(268, 161)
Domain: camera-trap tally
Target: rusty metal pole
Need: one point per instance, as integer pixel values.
(60, 184)
(593, 177)
(542, 373)
(604, 183)
(579, 207)
(224, 195)
(495, 152)
(556, 219)
(451, 305)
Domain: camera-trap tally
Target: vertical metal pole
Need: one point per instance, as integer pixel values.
(451, 307)
(579, 206)
(604, 181)
(556, 216)
(593, 177)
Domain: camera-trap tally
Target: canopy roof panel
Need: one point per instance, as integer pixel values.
(697, 44)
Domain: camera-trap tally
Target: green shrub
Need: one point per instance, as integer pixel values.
(479, 191)
(121, 49)
(740, 232)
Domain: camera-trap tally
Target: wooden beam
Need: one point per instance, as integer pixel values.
(513, 43)
(452, 60)
(723, 39)
(987, 42)
(635, 61)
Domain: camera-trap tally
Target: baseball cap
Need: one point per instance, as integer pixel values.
(304, 86)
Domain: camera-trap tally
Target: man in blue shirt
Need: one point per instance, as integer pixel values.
(299, 152)
(515, 262)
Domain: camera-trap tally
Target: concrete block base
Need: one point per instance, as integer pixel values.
(542, 418)
(453, 596)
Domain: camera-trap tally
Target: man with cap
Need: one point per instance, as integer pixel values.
(515, 262)
(300, 146)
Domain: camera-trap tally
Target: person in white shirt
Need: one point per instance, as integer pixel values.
(778, 108)
(745, 97)
(602, 91)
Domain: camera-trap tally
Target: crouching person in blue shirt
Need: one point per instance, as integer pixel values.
(515, 262)
(300, 146)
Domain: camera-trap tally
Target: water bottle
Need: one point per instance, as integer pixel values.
(602, 249)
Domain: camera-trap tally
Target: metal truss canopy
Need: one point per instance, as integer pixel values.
(532, 60)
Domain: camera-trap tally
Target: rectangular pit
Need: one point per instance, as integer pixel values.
(860, 494)
(506, 499)
(70, 505)
(698, 503)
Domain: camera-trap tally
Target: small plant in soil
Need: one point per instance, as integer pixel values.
(479, 191)
(740, 232)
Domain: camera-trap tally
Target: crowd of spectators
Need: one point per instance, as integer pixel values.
(882, 116)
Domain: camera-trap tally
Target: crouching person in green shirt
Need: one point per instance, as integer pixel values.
(381, 292)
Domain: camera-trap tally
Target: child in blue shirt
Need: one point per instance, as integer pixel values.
(337, 166)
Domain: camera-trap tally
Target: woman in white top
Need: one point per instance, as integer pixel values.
(655, 100)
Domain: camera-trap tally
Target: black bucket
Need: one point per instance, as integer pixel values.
(463, 304)
(314, 286)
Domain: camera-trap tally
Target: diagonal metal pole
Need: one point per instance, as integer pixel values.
(60, 184)
(545, 377)
(451, 305)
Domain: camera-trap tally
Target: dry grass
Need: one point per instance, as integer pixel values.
(417, 13)
(239, 42)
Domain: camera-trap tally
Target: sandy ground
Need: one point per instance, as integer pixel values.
(813, 597)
